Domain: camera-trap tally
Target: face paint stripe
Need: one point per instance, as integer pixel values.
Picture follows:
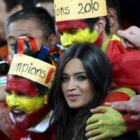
(80, 36)
(50, 74)
(73, 24)
(21, 85)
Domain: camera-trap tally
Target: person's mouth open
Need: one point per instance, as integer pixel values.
(19, 115)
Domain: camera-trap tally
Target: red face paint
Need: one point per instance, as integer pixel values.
(8, 127)
(72, 24)
(99, 40)
(21, 85)
(33, 118)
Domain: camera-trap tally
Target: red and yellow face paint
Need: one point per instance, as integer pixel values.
(25, 102)
(21, 85)
(28, 106)
(23, 95)
(78, 36)
(76, 31)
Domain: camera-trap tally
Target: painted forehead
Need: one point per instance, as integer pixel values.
(72, 24)
(21, 85)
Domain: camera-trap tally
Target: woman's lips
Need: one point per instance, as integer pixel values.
(73, 97)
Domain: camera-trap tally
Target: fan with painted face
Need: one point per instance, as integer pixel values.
(28, 83)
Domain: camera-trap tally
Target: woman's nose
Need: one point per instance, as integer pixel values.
(71, 85)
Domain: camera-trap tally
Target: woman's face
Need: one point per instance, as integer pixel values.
(75, 85)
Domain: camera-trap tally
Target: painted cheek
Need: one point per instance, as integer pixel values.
(66, 39)
(24, 103)
(85, 36)
(10, 100)
(81, 36)
(31, 105)
(93, 36)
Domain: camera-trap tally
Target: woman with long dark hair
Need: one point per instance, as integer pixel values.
(82, 81)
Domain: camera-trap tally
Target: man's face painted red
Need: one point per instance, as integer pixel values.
(24, 101)
(76, 31)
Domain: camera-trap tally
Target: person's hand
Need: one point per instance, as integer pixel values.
(130, 37)
(105, 124)
(133, 106)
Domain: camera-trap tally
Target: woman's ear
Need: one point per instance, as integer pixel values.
(52, 40)
(100, 25)
(45, 99)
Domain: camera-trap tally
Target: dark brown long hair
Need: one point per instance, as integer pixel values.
(67, 123)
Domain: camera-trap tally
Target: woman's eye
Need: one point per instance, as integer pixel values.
(64, 79)
(81, 77)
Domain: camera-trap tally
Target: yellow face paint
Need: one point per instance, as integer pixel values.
(78, 36)
(24, 103)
